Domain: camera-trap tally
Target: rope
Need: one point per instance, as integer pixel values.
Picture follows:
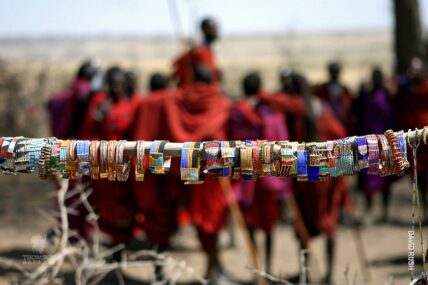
(415, 196)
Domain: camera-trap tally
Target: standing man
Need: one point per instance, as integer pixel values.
(411, 105)
(196, 112)
(375, 114)
(319, 203)
(110, 117)
(260, 201)
(337, 95)
(66, 108)
(199, 54)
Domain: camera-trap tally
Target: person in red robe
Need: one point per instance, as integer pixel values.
(131, 90)
(196, 112)
(110, 117)
(260, 200)
(200, 54)
(411, 109)
(338, 96)
(320, 203)
(65, 107)
(300, 120)
(158, 82)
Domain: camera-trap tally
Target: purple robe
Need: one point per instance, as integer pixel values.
(376, 115)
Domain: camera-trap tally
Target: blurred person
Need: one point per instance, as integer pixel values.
(131, 89)
(110, 117)
(67, 110)
(158, 82)
(337, 95)
(260, 201)
(319, 203)
(300, 125)
(131, 85)
(65, 107)
(375, 115)
(411, 109)
(196, 112)
(199, 54)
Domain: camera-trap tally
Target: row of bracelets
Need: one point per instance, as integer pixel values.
(372, 154)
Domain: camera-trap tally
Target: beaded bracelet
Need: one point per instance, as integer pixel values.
(397, 160)
(302, 163)
(54, 158)
(345, 160)
(190, 163)
(286, 159)
(63, 158)
(44, 161)
(21, 155)
(228, 155)
(373, 154)
(314, 162)
(158, 163)
(331, 157)
(139, 168)
(324, 169)
(403, 149)
(9, 165)
(236, 169)
(213, 159)
(82, 151)
(362, 155)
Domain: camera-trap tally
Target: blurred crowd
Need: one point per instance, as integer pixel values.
(190, 105)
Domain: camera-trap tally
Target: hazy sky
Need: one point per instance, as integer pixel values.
(155, 17)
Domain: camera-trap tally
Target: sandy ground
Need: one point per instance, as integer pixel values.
(385, 244)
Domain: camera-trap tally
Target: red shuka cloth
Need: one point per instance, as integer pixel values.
(411, 107)
(183, 65)
(113, 201)
(260, 200)
(341, 105)
(62, 107)
(320, 202)
(196, 112)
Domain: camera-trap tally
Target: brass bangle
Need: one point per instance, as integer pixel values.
(111, 160)
(122, 164)
(386, 166)
(139, 169)
(94, 149)
(246, 162)
(398, 164)
(71, 160)
(103, 159)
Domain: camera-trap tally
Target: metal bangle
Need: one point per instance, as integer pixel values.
(111, 160)
(103, 159)
(139, 169)
(94, 159)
